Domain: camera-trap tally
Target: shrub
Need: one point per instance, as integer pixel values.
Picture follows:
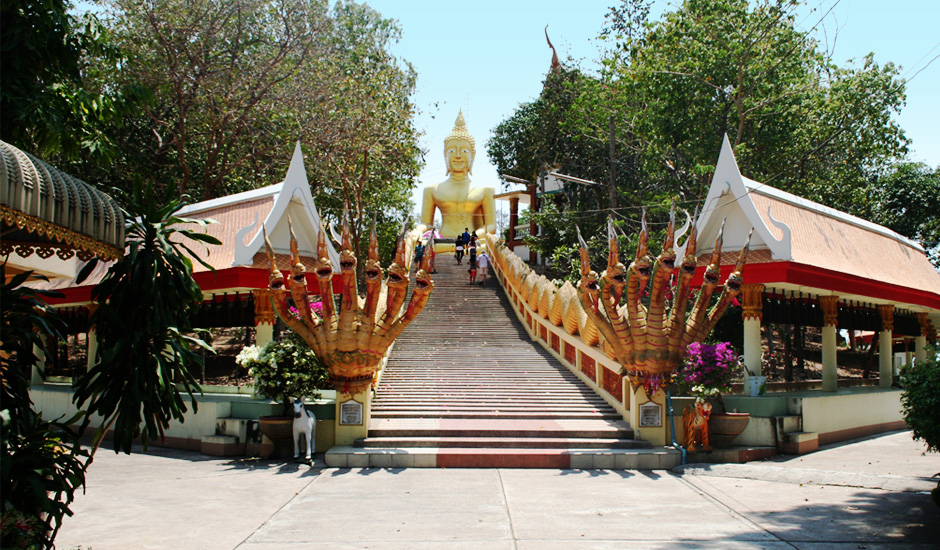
(285, 369)
(921, 399)
(707, 371)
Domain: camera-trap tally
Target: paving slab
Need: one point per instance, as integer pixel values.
(636, 506)
(168, 498)
(183, 500)
(394, 507)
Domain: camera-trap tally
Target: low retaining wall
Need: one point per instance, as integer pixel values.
(230, 416)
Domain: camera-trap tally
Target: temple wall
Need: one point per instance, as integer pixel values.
(846, 415)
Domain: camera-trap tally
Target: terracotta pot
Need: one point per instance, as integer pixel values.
(277, 427)
(724, 428)
(280, 430)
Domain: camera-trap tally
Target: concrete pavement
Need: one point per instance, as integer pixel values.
(870, 493)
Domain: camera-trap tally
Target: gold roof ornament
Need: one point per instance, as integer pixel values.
(460, 132)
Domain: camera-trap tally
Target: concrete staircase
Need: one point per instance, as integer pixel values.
(466, 387)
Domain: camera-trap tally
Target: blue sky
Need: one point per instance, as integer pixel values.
(487, 57)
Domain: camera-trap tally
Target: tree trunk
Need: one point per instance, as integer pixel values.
(871, 355)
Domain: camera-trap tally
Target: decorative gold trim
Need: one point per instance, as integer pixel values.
(925, 324)
(87, 247)
(264, 309)
(886, 311)
(751, 303)
(830, 307)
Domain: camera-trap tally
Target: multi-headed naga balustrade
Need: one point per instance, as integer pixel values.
(649, 342)
(351, 342)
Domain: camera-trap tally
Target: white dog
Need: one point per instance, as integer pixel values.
(305, 423)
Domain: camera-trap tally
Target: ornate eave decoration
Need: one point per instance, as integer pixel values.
(45, 211)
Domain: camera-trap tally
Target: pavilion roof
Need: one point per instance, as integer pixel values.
(800, 244)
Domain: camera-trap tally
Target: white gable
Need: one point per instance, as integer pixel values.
(296, 202)
(728, 199)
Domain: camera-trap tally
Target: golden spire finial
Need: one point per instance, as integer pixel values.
(460, 132)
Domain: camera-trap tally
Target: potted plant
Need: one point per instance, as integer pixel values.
(708, 371)
(283, 369)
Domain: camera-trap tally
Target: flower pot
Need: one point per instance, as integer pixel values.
(280, 430)
(753, 385)
(724, 428)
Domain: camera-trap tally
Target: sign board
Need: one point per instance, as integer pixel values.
(350, 413)
(651, 415)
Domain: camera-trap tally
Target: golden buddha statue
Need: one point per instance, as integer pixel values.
(461, 206)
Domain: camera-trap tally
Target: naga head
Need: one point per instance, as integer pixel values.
(689, 261)
(667, 258)
(713, 271)
(587, 286)
(297, 270)
(735, 279)
(642, 265)
(398, 271)
(323, 267)
(347, 257)
(275, 277)
(614, 279)
(373, 270)
(423, 283)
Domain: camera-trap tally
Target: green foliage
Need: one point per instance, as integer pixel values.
(285, 369)
(48, 104)
(144, 305)
(41, 463)
(235, 84)
(921, 399)
(906, 198)
(672, 88)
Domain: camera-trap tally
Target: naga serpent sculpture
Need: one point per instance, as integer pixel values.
(353, 341)
(649, 343)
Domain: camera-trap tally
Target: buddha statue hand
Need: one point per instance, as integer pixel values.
(352, 341)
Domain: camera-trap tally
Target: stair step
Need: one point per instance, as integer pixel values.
(504, 442)
(465, 386)
(462, 457)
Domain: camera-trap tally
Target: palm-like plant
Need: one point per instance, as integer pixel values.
(144, 305)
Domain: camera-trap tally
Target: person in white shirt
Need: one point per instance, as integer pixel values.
(483, 262)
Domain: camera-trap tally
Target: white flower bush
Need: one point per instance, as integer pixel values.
(285, 369)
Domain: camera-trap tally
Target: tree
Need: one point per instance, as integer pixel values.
(920, 399)
(48, 105)
(671, 89)
(236, 83)
(905, 197)
(364, 145)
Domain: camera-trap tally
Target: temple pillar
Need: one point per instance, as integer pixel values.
(264, 320)
(885, 353)
(920, 342)
(830, 374)
(264, 316)
(752, 313)
(36, 378)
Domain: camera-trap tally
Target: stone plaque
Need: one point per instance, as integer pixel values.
(651, 415)
(350, 413)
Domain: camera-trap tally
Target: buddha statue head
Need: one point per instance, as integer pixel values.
(459, 148)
